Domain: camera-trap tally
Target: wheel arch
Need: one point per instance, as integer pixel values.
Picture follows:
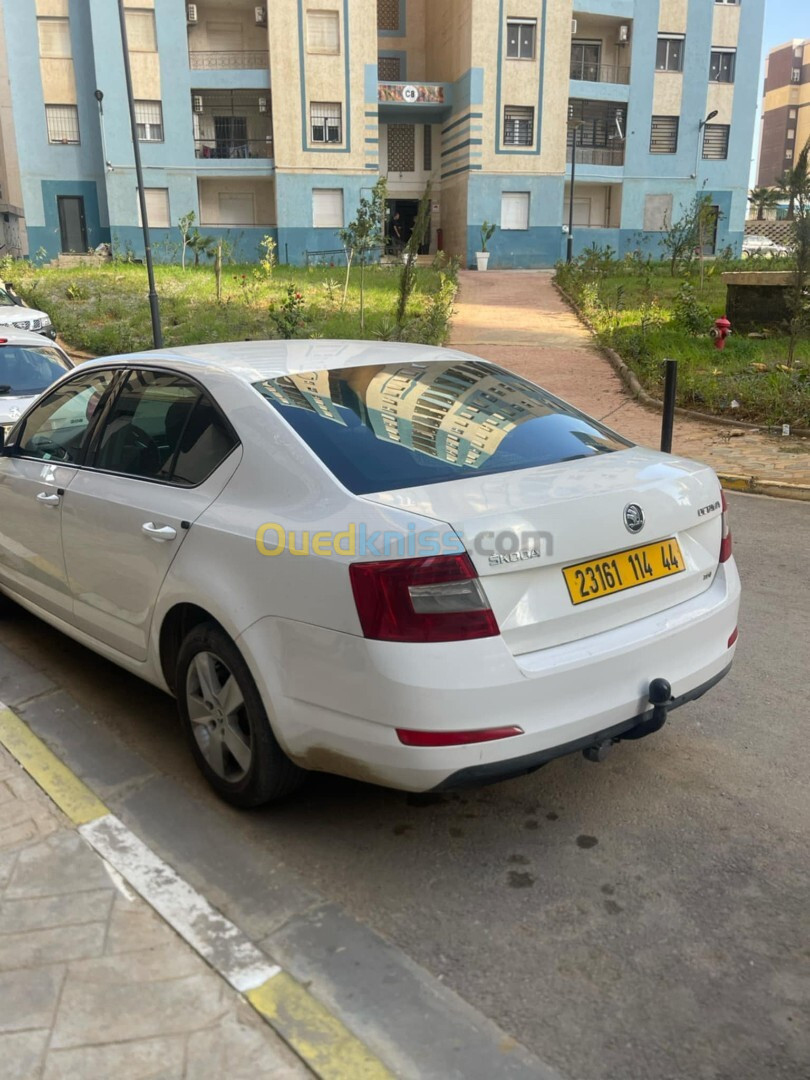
(177, 624)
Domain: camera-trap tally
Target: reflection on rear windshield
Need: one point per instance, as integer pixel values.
(398, 425)
(27, 369)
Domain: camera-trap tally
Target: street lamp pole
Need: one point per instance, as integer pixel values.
(157, 332)
(701, 126)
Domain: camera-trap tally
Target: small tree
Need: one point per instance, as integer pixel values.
(762, 199)
(362, 235)
(201, 245)
(186, 226)
(798, 302)
(687, 236)
(407, 276)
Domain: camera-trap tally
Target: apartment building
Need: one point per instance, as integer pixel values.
(785, 109)
(274, 119)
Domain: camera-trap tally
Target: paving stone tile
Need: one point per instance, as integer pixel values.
(137, 995)
(19, 680)
(33, 948)
(21, 1053)
(145, 1059)
(62, 863)
(28, 998)
(134, 926)
(8, 860)
(241, 1047)
(39, 913)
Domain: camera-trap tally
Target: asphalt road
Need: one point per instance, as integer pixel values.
(648, 917)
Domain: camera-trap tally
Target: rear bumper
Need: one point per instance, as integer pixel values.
(336, 699)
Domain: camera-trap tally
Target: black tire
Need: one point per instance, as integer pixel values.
(208, 658)
(6, 606)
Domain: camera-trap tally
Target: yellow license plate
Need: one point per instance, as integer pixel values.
(625, 570)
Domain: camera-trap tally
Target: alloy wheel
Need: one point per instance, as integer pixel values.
(218, 715)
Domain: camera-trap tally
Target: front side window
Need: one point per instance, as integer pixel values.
(518, 125)
(162, 427)
(669, 56)
(149, 119)
(520, 35)
(715, 141)
(63, 124)
(325, 122)
(721, 68)
(55, 430)
(380, 428)
(26, 370)
(664, 135)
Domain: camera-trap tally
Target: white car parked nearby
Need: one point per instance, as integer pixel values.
(14, 315)
(762, 245)
(393, 562)
(28, 365)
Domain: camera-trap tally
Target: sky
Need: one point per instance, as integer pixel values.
(784, 19)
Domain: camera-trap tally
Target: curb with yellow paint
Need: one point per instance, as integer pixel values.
(752, 485)
(321, 1040)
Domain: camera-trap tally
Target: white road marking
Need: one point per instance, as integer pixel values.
(216, 938)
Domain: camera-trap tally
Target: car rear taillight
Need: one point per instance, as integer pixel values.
(725, 542)
(438, 598)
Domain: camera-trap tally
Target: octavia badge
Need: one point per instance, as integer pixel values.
(633, 518)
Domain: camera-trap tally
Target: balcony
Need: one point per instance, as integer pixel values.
(587, 71)
(234, 60)
(596, 155)
(413, 102)
(600, 49)
(232, 125)
(598, 130)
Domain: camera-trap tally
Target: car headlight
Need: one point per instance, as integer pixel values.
(36, 324)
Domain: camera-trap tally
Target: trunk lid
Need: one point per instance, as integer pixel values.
(523, 528)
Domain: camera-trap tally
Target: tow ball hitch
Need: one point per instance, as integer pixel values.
(659, 696)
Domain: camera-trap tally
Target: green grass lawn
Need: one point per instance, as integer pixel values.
(634, 313)
(105, 310)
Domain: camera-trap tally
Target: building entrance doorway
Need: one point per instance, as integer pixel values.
(401, 218)
(72, 225)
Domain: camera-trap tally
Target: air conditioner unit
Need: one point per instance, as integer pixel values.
(573, 26)
(197, 103)
(624, 35)
(262, 104)
(260, 14)
(191, 13)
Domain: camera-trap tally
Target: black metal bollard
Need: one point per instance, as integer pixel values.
(668, 418)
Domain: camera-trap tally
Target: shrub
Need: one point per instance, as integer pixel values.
(690, 313)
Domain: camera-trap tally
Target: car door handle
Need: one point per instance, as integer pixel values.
(48, 500)
(158, 532)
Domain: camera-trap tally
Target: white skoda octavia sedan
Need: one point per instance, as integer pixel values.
(393, 562)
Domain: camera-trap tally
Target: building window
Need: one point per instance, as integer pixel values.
(401, 148)
(325, 121)
(586, 58)
(427, 148)
(515, 210)
(669, 56)
(388, 15)
(323, 32)
(327, 208)
(791, 133)
(520, 35)
(389, 68)
(63, 123)
(715, 141)
(664, 135)
(236, 208)
(788, 155)
(791, 114)
(54, 37)
(722, 65)
(141, 33)
(796, 75)
(149, 119)
(518, 125)
(157, 207)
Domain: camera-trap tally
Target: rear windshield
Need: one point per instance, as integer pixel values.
(29, 369)
(403, 425)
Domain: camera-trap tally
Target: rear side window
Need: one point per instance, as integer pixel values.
(162, 427)
(26, 370)
(403, 425)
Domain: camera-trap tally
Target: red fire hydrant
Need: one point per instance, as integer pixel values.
(721, 330)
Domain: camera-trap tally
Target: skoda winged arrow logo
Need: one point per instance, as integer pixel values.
(633, 518)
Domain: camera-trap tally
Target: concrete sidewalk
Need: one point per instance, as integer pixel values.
(93, 983)
(519, 320)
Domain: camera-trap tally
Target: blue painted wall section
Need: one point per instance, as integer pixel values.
(538, 246)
